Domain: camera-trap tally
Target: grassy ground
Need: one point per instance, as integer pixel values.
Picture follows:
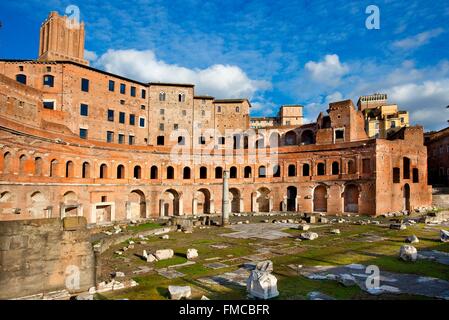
(348, 247)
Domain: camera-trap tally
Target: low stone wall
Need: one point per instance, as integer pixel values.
(41, 256)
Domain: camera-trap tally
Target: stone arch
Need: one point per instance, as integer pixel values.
(39, 208)
(290, 138)
(186, 173)
(203, 172)
(335, 168)
(406, 196)
(120, 171)
(22, 164)
(235, 200)
(170, 173)
(248, 172)
(137, 174)
(307, 137)
(233, 173)
(136, 205)
(104, 171)
(218, 173)
(263, 199)
(351, 197)
(292, 170)
(169, 204)
(54, 165)
(262, 172)
(86, 170)
(38, 166)
(153, 172)
(203, 201)
(7, 162)
(320, 198)
(7, 200)
(292, 194)
(69, 169)
(70, 206)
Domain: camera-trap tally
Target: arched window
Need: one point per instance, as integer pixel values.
(203, 173)
(233, 173)
(276, 171)
(305, 170)
(321, 169)
(120, 172)
(335, 168)
(162, 96)
(49, 80)
(218, 173)
(86, 170)
(290, 138)
(351, 167)
(69, 169)
(38, 166)
(22, 164)
(153, 172)
(7, 162)
(186, 173)
(292, 170)
(262, 172)
(181, 97)
(137, 172)
(53, 168)
(170, 172)
(103, 171)
(247, 173)
(21, 78)
(260, 143)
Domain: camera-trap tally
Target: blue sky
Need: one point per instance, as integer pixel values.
(309, 52)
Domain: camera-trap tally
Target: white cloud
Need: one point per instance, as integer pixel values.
(418, 40)
(426, 101)
(90, 55)
(329, 71)
(220, 81)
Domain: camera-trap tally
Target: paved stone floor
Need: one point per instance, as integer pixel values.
(267, 231)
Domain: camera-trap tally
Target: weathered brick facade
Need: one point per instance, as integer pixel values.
(74, 157)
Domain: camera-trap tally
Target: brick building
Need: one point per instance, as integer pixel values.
(78, 141)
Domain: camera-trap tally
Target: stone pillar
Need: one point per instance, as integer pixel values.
(225, 197)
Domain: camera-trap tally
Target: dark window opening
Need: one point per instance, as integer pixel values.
(132, 119)
(218, 173)
(84, 85)
(170, 173)
(133, 91)
(277, 171)
(335, 168)
(121, 117)
(110, 115)
(406, 168)
(153, 173)
(262, 172)
(247, 173)
(415, 175)
(203, 173)
(181, 140)
(121, 138)
(21, 78)
(83, 133)
(137, 172)
(186, 173)
(233, 173)
(49, 105)
(339, 134)
(305, 170)
(84, 109)
(131, 140)
(396, 175)
(321, 169)
(110, 136)
(49, 80)
(122, 88)
(111, 85)
(292, 170)
(160, 140)
(120, 172)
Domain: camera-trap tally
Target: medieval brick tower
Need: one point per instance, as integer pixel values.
(61, 39)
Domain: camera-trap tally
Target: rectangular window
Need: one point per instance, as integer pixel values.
(161, 112)
(142, 107)
(161, 126)
(122, 88)
(175, 126)
(202, 140)
(132, 119)
(84, 85)
(110, 136)
(111, 85)
(121, 117)
(160, 140)
(83, 133)
(121, 138)
(396, 175)
(339, 134)
(49, 105)
(143, 94)
(219, 109)
(110, 115)
(221, 140)
(133, 91)
(49, 80)
(131, 140)
(142, 122)
(84, 109)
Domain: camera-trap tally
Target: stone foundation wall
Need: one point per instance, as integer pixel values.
(39, 256)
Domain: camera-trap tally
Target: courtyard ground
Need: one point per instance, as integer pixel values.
(219, 273)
